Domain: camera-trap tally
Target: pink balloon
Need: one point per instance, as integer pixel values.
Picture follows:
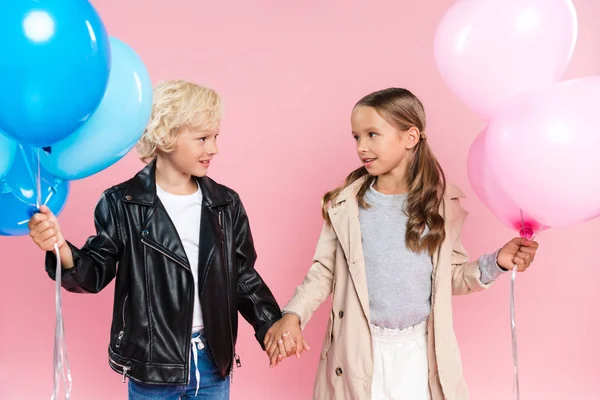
(490, 193)
(488, 51)
(545, 151)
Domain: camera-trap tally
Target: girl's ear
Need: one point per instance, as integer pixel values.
(411, 138)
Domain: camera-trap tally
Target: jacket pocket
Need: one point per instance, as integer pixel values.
(328, 336)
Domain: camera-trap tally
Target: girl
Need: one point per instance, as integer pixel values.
(390, 254)
(180, 248)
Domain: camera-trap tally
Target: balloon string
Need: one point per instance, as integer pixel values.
(38, 181)
(516, 389)
(60, 359)
(524, 232)
(513, 325)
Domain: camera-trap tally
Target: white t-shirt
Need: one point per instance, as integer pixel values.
(184, 211)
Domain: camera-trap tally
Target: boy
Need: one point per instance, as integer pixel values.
(185, 257)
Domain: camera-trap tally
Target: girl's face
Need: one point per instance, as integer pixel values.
(381, 147)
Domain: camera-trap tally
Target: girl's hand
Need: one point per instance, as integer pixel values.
(518, 251)
(284, 339)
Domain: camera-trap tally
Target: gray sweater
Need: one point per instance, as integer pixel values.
(398, 279)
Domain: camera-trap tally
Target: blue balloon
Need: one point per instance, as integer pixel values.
(18, 194)
(8, 149)
(21, 180)
(16, 214)
(114, 128)
(54, 67)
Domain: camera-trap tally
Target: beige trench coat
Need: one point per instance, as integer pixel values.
(345, 369)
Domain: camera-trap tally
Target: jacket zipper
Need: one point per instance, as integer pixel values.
(235, 356)
(122, 333)
(164, 253)
(125, 368)
(210, 258)
(189, 345)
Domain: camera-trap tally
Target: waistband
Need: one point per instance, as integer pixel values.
(398, 335)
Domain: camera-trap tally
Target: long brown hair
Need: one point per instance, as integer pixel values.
(425, 177)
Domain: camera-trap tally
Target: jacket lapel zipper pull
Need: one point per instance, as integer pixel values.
(125, 369)
(119, 339)
(238, 362)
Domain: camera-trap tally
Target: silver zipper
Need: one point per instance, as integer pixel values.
(164, 254)
(125, 368)
(235, 356)
(123, 314)
(119, 339)
(122, 333)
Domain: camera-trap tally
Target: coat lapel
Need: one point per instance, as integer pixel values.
(454, 218)
(345, 222)
(158, 230)
(212, 224)
(443, 249)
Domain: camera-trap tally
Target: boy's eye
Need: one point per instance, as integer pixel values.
(202, 139)
(372, 134)
(355, 137)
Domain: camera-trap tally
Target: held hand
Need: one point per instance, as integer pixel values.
(519, 252)
(284, 339)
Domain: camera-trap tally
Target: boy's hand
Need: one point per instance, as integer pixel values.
(284, 339)
(45, 231)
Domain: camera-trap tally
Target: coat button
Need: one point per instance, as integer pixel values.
(341, 314)
(128, 197)
(145, 232)
(338, 371)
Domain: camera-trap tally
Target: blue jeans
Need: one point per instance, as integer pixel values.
(212, 386)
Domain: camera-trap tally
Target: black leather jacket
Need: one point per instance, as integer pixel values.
(153, 307)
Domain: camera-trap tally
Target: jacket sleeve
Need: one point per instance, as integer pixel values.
(318, 283)
(96, 262)
(255, 302)
(466, 275)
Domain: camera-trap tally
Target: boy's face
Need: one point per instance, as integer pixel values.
(194, 151)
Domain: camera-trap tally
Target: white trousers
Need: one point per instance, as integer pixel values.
(401, 368)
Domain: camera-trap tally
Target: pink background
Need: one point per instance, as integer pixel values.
(290, 73)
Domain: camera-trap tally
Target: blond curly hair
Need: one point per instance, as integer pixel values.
(178, 104)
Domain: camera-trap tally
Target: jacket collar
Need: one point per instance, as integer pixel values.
(142, 189)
